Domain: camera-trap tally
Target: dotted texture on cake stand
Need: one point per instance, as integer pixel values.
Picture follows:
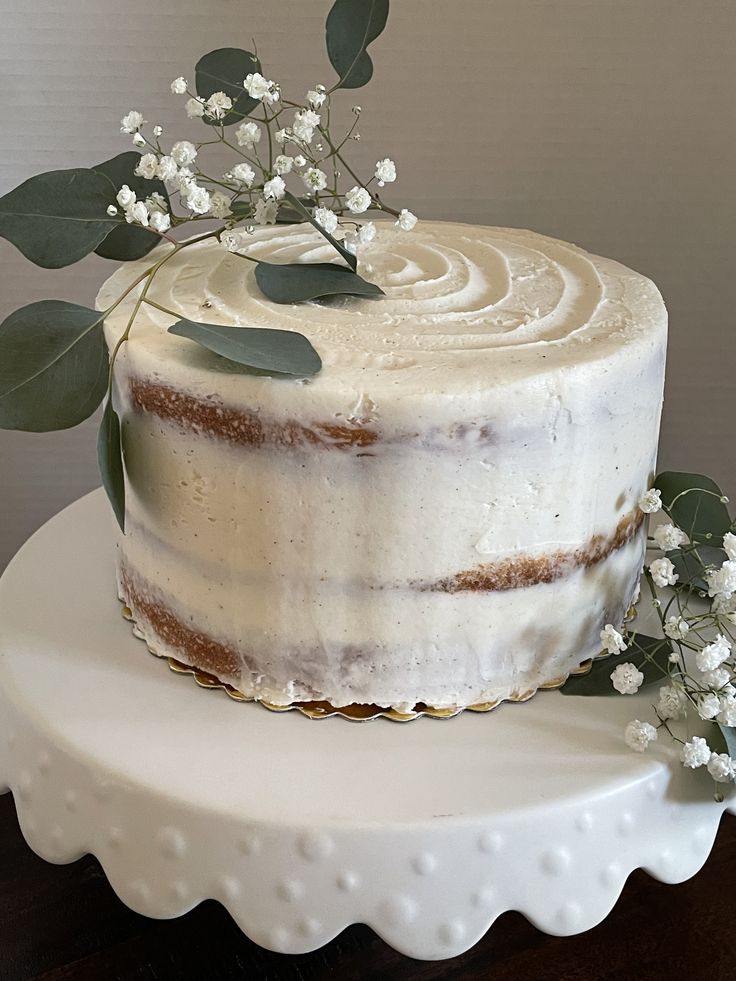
(426, 832)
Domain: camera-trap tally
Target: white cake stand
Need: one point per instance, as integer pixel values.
(425, 831)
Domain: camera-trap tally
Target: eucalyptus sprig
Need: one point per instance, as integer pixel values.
(54, 364)
(693, 661)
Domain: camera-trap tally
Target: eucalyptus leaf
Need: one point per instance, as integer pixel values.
(58, 217)
(293, 282)
(224, 70)
(282, 352)
(690, 565)
(128, 241)
(110, 461)
(351, 26)
(53, 366)
(693, 501)
(300, 209)
(729, 738)
(641, 648)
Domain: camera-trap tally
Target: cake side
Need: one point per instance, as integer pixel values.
(452, 530)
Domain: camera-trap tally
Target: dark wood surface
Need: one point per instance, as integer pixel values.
(64, 923)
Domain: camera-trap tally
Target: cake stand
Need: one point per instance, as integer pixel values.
(425, 831)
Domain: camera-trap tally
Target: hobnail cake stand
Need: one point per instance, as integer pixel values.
(425, 831)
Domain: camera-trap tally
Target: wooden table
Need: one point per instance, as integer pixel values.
(64, 923)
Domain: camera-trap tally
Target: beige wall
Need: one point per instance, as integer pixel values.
(605, 122)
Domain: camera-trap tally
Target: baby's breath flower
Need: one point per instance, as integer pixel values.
(156, 202)
(194, 108)
(179, 85)
(713, 655)
(138, 139)
(326, 218)
(721, 767)
(260, 88)
(676, 627)
(232, 239)
(708, 705)
(650, 501)
(300, 161)
(183, 179)
(663, 573)
(316, 97)
(722, 582)
(160, 221)
(158, 131)
(406, 220)
(274, 189)
(147, 166)
(283, 164)
(242, 173)
(627, 678)
(716, 679)
(220, 205)
(282, 135)
(248, 134)
(695, 752)
(672, 703)
(668, 537)
(167, 168)
(218, 105)
(125, 197)
(357, 200)
(265, 212)
(729, 543)
(385, 171)
(304, 125)
(197, 199)
(727, 715)
(366, 233)
(315, 179)
(184, 152)
(131, 122)
(138, 213)
(112, 210)
(638, 735)
(611, 639)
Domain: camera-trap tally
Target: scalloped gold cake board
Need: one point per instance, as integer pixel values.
(357, 712)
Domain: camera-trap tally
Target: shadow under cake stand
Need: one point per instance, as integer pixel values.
(426, 832)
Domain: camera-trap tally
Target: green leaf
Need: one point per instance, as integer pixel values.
(639, 652)
(127, 242)
(59, 217)
(110, 461)
(690, 566)
(298, 206)
(694, 504)
(293, 282)
(728, 733)
(351, 26)
(283, 352)
(53, 366)
(224, 70)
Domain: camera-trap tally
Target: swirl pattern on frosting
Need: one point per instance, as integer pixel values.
(454, 294)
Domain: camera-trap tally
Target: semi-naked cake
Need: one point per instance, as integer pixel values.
(445, 515)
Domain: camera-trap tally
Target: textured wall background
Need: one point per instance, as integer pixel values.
(604, 122)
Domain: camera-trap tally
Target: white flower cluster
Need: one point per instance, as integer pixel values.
(150, 213)
(705, 683)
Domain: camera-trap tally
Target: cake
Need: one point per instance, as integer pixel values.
(445, 515)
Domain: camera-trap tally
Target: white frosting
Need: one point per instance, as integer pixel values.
(515, 383)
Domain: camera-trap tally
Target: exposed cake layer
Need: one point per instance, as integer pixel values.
(442, 650)
(446, 513)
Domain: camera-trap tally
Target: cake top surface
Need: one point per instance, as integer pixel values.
(466, 306)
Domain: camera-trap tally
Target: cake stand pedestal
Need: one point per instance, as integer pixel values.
(425, 831)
